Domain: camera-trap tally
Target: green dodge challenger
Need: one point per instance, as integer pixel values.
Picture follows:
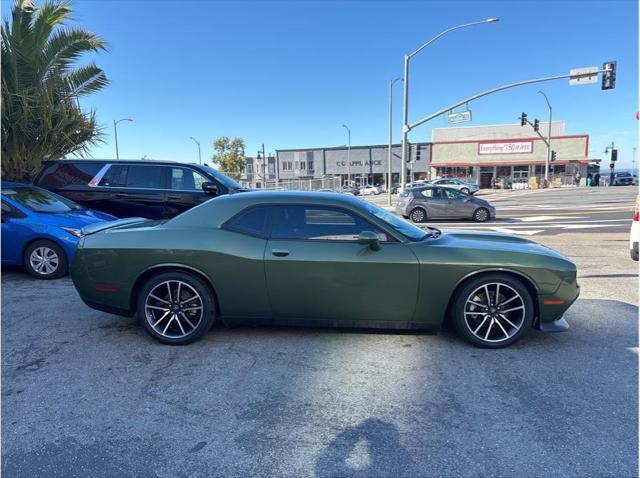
(323, 259)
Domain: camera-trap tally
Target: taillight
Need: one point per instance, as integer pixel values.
(635, 216)
(410, 196)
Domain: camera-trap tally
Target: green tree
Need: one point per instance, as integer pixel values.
(229, 156)
(41, 84)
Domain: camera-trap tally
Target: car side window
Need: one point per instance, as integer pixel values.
(10, 211)
(454, 195)
(252, 221)
(145, 177)
(186, 179)
(116, 176)
(429, 193)
(317, 223)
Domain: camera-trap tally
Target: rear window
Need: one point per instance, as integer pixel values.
(147, 177)
(66, 174)
(40, 200)
(116, 176)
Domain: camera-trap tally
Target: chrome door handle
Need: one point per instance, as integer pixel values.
(279, 252)
(173, 197)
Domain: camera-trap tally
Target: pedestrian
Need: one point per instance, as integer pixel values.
(577, 178)
(493, 182)
(589, 179)
(596, 180)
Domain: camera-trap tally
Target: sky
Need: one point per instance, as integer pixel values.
(290, 74)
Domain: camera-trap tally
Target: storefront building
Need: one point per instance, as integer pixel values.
(360, 164)
(509, 154)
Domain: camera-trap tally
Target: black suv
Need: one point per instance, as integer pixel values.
(150, 189)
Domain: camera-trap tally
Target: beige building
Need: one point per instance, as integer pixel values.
(509, 153)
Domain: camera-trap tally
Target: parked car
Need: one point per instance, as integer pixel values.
(454, 183)
(414, 184)
(354, 191)
(151, 189)
(622, 179)
(369, 190)
(434, 202)
(317, 258)
(634, 236)
(40, 229)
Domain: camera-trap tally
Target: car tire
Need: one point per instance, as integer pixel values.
(418, 215)
(465, 190)
(488, 324)
(176, 308)
(481, 214)
(45, 260)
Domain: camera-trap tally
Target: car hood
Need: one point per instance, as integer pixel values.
(495, 241)
(75, 219)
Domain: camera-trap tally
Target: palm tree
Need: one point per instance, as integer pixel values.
(41, 115)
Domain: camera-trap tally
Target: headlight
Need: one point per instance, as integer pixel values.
(73, 232)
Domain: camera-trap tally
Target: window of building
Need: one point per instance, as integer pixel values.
(252, 221)
(186, 179)
(319, 223)
(249, 168)
(520, 172)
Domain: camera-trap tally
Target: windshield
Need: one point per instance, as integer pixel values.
(623, 175)
(226, 180)
(40, 200)
(405, 228)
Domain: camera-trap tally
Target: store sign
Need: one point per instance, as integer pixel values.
(514, 147)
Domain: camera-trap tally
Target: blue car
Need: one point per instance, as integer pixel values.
(40, 229)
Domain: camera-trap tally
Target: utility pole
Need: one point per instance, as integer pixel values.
(405, 103)
(115, 131)
(546, 165)
(389, 173)
(348, 155)
(199, 154)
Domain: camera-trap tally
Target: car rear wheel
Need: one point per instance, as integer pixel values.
(481, 214)
(45, 260)
(493, 311)
(418, 215)
(176, 308)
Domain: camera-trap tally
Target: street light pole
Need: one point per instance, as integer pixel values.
(198, 143)
(115, 131)
(348, 155)
(546, 164)
(405, 103)
(389, 173)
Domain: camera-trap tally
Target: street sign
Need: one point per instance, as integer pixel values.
(459, 117)
(590, 75)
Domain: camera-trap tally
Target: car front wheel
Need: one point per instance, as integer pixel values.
(481, 214)
(176, 308)
(45, 260)
(465, 190)
(493, 311)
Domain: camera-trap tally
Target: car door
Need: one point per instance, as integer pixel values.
(315, 268)
(185, 190)
(433, 200)
(131, 190)
(15, 232)
(458, 205)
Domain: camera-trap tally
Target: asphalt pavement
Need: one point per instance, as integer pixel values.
(86, 393)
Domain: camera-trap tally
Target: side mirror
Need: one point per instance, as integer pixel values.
(210, 188)
(369, 238)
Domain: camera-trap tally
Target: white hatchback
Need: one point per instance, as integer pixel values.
(369, 190)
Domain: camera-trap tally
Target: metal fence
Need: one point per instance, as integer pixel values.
(328, 182)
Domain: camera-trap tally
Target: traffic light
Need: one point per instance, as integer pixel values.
(614, 155)
(536, 125)
(553, 155)
(609, 75)
(418, 152)
(523, 119)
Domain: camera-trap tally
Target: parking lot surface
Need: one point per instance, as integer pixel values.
(86, 393)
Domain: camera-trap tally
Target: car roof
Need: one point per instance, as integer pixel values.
(123, 161)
